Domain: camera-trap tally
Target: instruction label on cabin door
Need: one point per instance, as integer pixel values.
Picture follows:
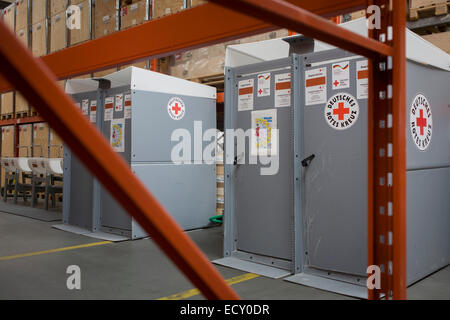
(315, 86)
(264, 84)
(282, 90)
(109, 108)
(85, 107)
(362, 79)
(93, 113)
(117, 137)
(341, 75)
(264, 138)
(245, 95)
(127, 106)
(118, 106)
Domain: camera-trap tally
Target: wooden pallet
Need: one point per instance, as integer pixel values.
(426, 8)
(22, 114)
(215, 80)
(7, 116)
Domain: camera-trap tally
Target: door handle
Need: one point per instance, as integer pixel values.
(306, 162)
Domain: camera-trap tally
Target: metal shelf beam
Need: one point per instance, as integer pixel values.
(203, 25)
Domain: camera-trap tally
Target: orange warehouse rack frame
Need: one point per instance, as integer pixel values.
(208, 24)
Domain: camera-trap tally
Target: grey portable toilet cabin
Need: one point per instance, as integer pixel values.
(308, 218)
(146, 116)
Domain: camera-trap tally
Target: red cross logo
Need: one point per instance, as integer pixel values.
(260, 91)
(336, 83)
(176, 108)
(341, 111)
(421, 122)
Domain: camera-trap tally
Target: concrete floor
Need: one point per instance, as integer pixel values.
(133, 269)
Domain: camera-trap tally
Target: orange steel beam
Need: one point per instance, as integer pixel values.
(387, 156)
(37, 84)
(200, 26)
(399, 141)
(287, 15)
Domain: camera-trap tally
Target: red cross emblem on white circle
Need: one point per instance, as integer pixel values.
(421, 122)
(176, 108)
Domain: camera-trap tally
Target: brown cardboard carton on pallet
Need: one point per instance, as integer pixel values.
(103, 73)
(21, 14)
(22, 34)
(56, 6)
(195, 3)
(39, 39)
(133, 14)
(7, 141)
(7, 102)
(166, 7)
(358, 14)
(105, 17)
(38, 11)
(425, 8)
(8, 16)
(142, 65)
(56, 145)
(24, 140)
(84, 33)
(40, 139)
(441, 40)
(57, 32)
(21, 105)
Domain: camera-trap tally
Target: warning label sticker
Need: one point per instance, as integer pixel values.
(245, 95)
(117, 137)
(109, 108)
(85, 107)
(264, 84)
(341, 75)
(264, 133)
(118, 106)
(282, 90)
(127, 105)
(341, 111)
(421, 122)
(176, 108)
(93, 113)
(362, 79)
(315, 86)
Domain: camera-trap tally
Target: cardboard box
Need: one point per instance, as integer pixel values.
(164, 8)
(105, 18)
(38, 11)
(57, 32)
(38, 38)
(133, 14)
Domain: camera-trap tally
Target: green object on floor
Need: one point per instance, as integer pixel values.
(216, 219)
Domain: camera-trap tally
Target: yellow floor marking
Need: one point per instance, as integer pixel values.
(93, 244)
(194, 292)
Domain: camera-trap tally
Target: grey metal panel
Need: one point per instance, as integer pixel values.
(78, 210)
(113, 216)
(257, 268)
(428, 223)
(153, 127)
(434, 84)
(299, 250)
(187, 191)
(264, 204)
(319, 282)
(335, 209)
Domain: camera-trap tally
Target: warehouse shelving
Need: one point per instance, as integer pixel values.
(213, 23)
